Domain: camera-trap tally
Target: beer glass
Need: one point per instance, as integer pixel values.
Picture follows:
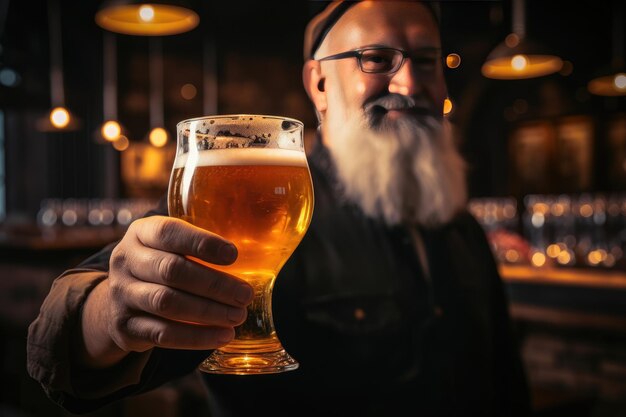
(246, 178)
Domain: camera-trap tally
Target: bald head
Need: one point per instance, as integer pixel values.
(319, 26)
(370, 22)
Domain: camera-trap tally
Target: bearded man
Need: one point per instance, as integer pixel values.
(392, 303)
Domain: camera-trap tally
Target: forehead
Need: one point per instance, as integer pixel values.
(403, 24)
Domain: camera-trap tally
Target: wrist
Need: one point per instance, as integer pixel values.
(95, 348)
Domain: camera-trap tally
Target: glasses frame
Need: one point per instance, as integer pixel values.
(358, 54)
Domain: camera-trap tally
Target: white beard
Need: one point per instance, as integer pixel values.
(402, 171)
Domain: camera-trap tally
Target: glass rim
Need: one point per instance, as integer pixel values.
(236, 116)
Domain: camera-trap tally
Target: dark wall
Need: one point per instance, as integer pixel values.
(257, 67)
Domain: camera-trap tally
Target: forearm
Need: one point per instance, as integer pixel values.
(53, 358)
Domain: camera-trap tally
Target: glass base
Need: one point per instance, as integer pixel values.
(221, 362)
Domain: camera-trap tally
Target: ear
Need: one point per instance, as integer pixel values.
(313, 80)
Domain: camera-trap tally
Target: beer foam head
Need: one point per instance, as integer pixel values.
(247, 156)
(240, 131)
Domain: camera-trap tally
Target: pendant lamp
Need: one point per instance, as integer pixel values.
(519, 57)
(153, 18)
(111, 129)
(158, 136)
(59, 118)
(611, 81)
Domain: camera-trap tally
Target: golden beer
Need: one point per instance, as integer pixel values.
(261, 199)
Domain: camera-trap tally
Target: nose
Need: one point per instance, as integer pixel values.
(405, 81)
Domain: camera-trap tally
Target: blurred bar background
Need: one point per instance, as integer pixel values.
(546, 156)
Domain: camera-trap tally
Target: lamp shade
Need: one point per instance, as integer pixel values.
(146, 19)
(519, 59)
(610, 82)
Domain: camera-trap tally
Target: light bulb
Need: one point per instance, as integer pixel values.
(158, 137)
(111, 130)
(146, 13)
(620, 81)
(519, 62)
(59, 117)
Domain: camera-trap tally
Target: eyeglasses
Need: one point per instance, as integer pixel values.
(384, 60)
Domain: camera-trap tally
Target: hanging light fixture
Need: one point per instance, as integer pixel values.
(611, 81)
(111, 130)
(519, 57)
(154, 18)
(59, 118)
(158, 136)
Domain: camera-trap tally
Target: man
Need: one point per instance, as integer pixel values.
(392, 303)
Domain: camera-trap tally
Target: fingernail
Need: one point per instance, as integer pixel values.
(236, 315)
(244, 294)
(227, 253)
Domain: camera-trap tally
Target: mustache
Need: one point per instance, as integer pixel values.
(376, 109)
(394, 101)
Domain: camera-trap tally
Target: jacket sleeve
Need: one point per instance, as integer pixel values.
(49, 347)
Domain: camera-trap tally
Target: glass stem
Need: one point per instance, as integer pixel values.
(257, 333)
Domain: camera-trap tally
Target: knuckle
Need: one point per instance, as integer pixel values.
(116, 289)
(167, 267)
(200, 246)
(115, 325)
(164, 229)
(215, 285)
(159, 336)
(119, 331)
(121, 342)
(132, 227)
(118, 258)
(135, 230)
(140, 334)
(161, 300)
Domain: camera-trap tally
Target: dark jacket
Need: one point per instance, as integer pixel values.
(372, 334)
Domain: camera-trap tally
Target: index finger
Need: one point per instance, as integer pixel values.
(170, 234)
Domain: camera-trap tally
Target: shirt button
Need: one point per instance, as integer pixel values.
(438, 311)
(359, 313)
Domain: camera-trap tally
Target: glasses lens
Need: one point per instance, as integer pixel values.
(380, 60)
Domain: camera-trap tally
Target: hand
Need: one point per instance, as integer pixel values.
(156, 296)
